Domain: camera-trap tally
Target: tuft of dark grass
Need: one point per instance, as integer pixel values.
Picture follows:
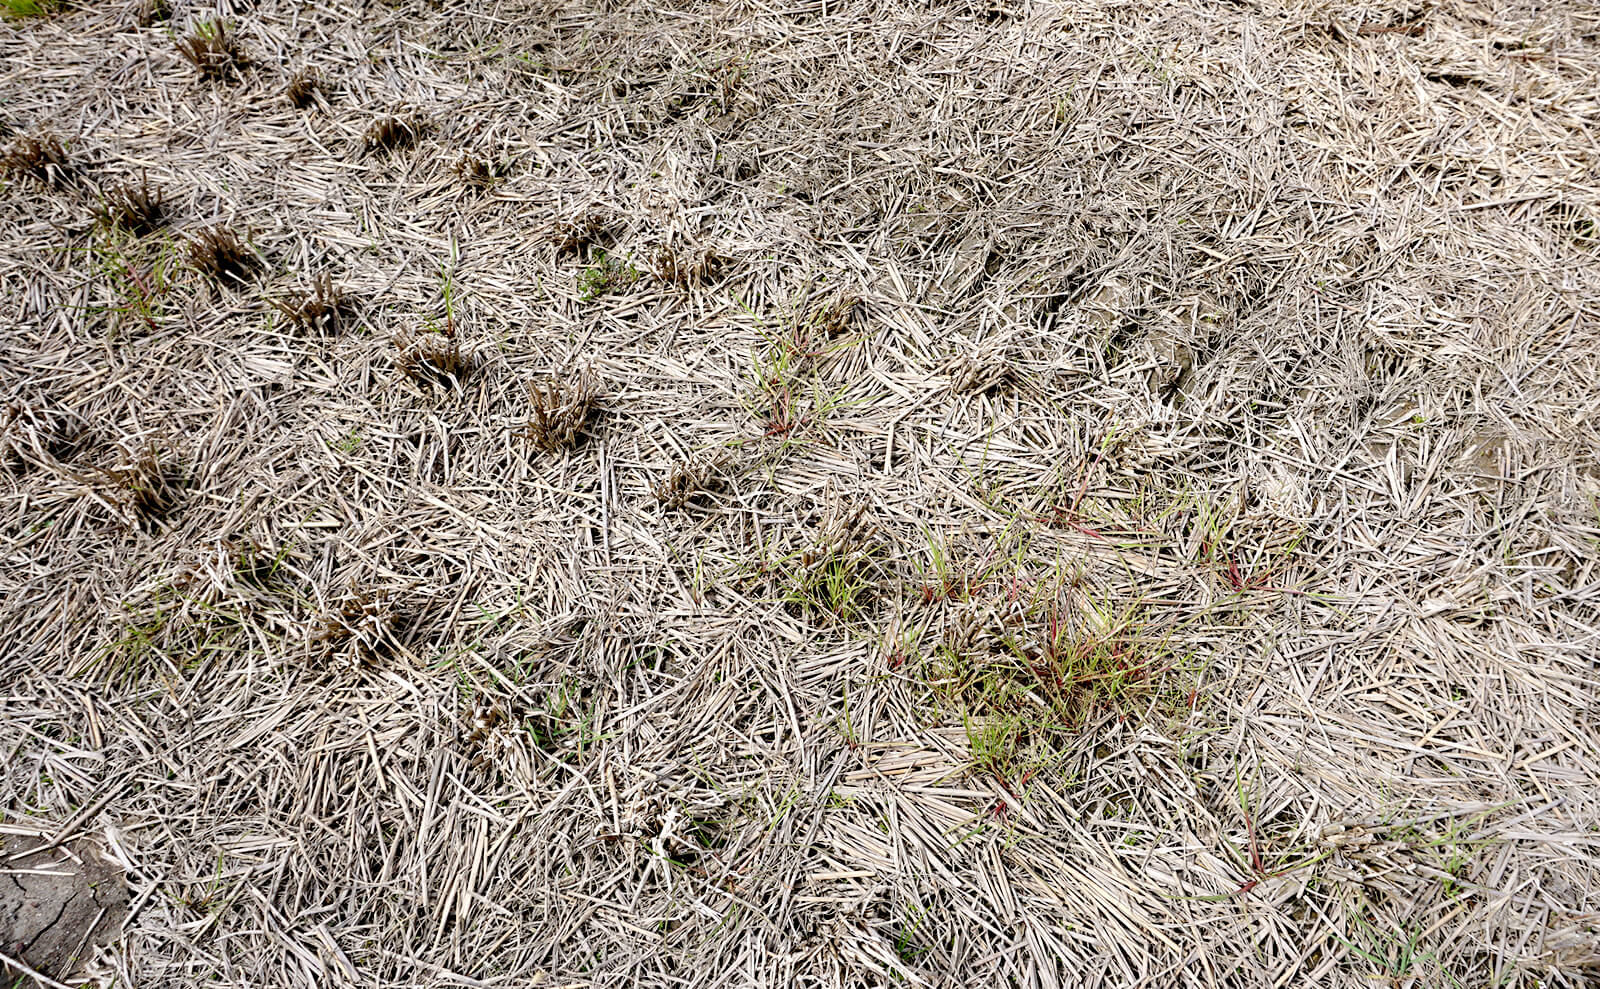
(576, 234)
(728, 76)
(434, 359)
(219, 253)
(148, 12)
(363, 628)
(687, 267)
(303, 88)
(393, 133)
(991, 371)
(318, 310)
(480, 172)
(138, 208)
(41, 157)
(213, 50)
(150, 486)
(688, 482)
(561, 409)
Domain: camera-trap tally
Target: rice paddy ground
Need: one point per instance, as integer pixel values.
(815, 493)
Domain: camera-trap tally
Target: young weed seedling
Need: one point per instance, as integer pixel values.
(257, 566)
(605, 275)
(836, 573)
(22, 9)
(435, 357)
(139, 275)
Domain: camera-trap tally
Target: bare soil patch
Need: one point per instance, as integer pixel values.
(57, 906)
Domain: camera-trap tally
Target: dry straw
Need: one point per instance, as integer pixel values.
(1084, 494)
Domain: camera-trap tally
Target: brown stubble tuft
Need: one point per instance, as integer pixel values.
(137, 207)
(317, 310)
(303, 88)
(41, 157)
(214, 51)
(561, 409)
(218, 252)
(148, 481)
(689, 482)
(434, 360)
(395, 132)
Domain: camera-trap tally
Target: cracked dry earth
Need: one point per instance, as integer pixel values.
(56, 906)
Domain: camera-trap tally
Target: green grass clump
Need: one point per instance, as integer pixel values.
(1028, 661)
(22, 9)
(837, 574)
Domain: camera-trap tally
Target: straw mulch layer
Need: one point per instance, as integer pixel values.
(829, 493)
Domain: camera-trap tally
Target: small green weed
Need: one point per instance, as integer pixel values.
(258, 566)
(1398, 956)
(21, 9)
(139, 277)
(907, 945)
(1029, 660)
(786, 393)
(837, 574)
(604, 275)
